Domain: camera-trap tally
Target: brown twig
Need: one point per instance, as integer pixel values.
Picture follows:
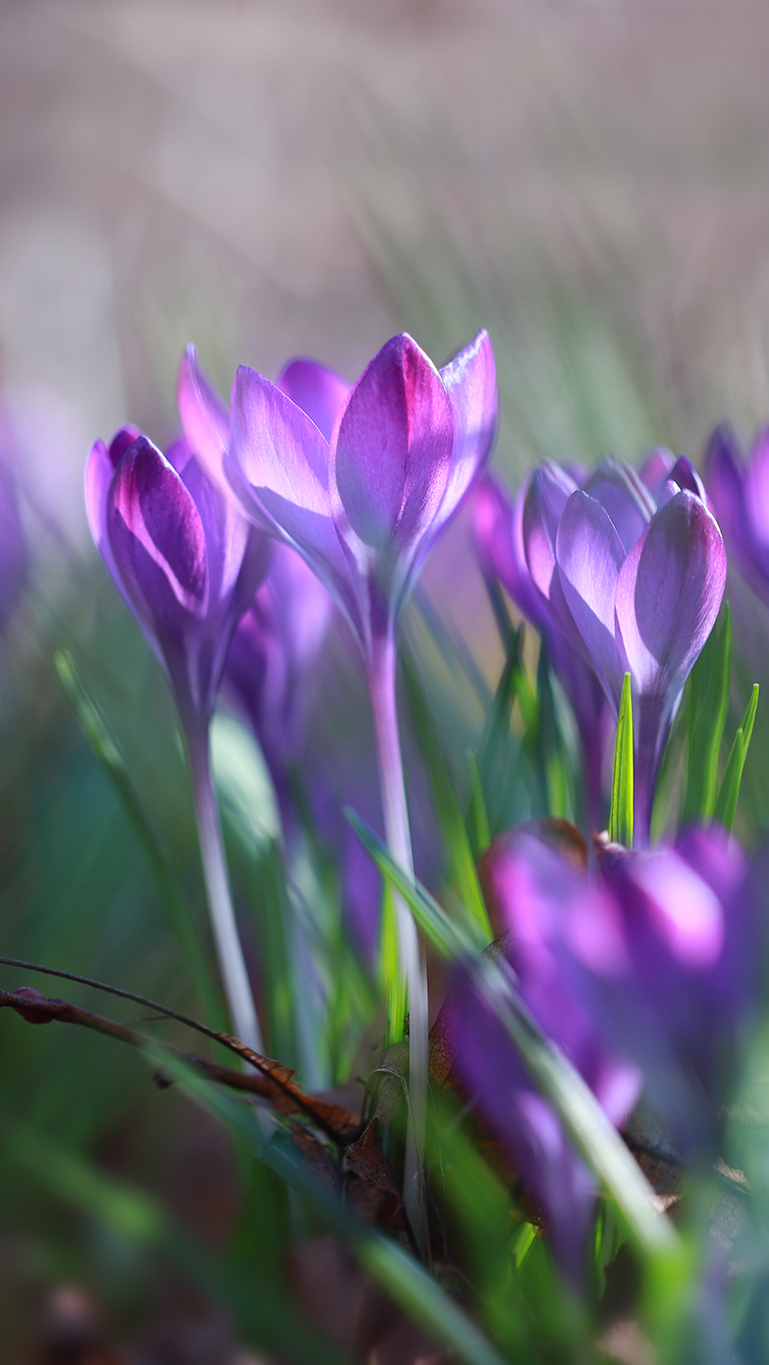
(272, 1081)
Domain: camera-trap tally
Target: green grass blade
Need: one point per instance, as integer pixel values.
(621, 809)
(707, 705)
(478, 831)
(105, 748)
(392, 977)
(728, 796)
(423, 1299)
(592, 1134)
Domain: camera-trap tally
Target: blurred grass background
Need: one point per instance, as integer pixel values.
(589, 180)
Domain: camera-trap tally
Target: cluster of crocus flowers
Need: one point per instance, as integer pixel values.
(624, 574)
(360, 482)
(644, 975)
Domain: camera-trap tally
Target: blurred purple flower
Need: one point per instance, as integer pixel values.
(14, 556)
(668, 963)
(633, 583)
(270, 667)
(180, 552)
(740, 494)
(499, 541)
(534, 890)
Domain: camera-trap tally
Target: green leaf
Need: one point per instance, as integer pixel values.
(592, 1134)
(96, 730)
(477, 820)
(726, 805)
(707, 704)
(621, 809)
(393, 979)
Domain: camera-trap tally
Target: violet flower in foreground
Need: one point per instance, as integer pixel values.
(534, 890)
(668, 963)
(363, 503)
(187, 563)
(740, 493)
(633, 582)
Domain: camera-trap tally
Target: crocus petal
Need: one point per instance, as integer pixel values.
(392, 453)
(626, 499)
(100, 468)
(318, 391)
(204, 417)
(549, 490)
(723, 470)
(470, 381)
(278, 465)
(756, 499)
(590, 555)
(498, 529)
(685, 475)
(669, 593)
(655, 468)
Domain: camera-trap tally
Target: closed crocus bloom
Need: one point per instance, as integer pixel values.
(668, 965)
(740, 493)
(187, 562)
(634, 583)
(534, 891)
(498, 526)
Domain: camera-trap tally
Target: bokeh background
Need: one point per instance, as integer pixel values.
(589, 179)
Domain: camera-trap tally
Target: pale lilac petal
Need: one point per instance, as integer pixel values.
(470, 380)
(498, 529)
(669, 593)
(392, 453)
(318, 391)
(590, 555)
(204, 417)
(623, 495)
(548, 492)
(724, 473)
(655, 468)
(278, 465)
(756, 500)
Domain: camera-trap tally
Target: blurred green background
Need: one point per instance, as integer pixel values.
(590, 181)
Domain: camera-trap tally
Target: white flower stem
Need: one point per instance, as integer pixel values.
(381, 678)
(229, 952)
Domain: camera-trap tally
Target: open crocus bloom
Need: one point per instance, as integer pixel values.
(633, 581)
(362, 481)
(180, 552)
(740, 494)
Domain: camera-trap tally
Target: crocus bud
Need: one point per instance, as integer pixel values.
(740, 494)
(179, 550)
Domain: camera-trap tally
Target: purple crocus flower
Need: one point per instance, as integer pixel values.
(363, 505)
(667, 962)
(534, 892)
(187, 563)
(740, 494)
(498, 530)
(633, 582)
